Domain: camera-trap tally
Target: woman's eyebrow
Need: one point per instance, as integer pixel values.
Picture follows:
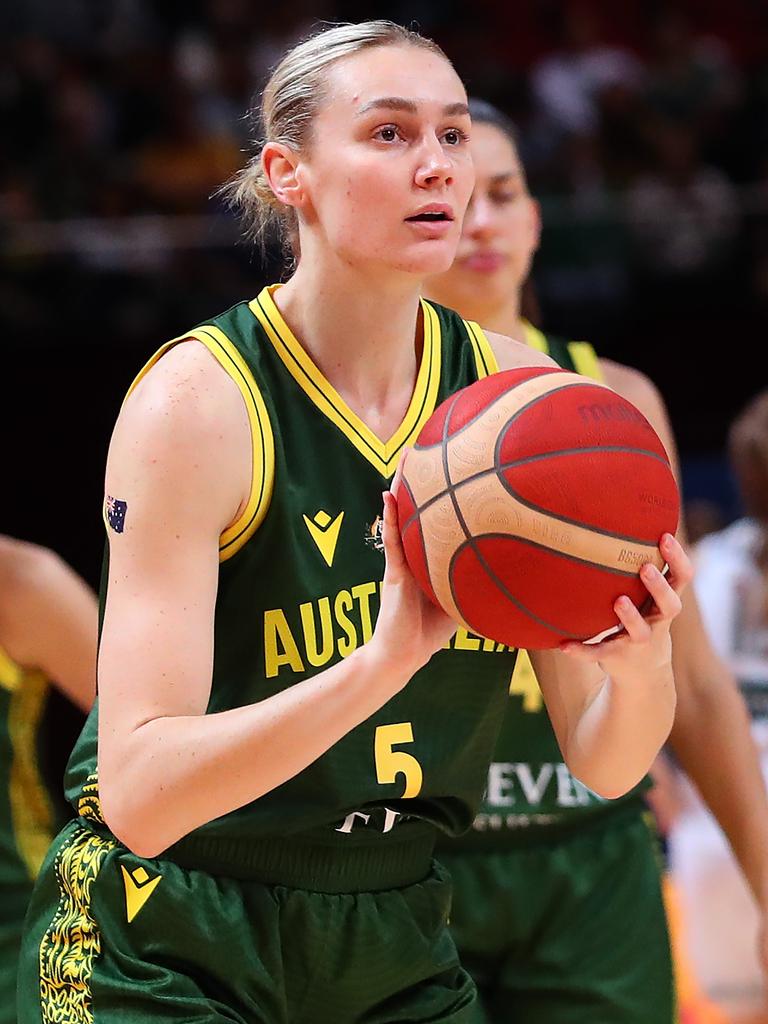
(409, 106)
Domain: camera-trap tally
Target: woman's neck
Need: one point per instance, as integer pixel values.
(363, 332)
(504, 318)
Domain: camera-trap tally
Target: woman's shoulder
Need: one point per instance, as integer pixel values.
(511, 354)
(183, 422)
(186, 384)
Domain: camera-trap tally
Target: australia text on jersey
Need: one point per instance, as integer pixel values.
(314, 632)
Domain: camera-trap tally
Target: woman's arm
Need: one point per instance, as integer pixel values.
(180, 459)
(49, 618)
(711, 735)
(612, 704)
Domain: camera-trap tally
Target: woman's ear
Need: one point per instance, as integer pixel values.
(280, 168)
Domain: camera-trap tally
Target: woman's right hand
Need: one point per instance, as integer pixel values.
(409, 628)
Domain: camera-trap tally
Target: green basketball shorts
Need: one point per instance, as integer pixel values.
(567, 932)
(111, 937)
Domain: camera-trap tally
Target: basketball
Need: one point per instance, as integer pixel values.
(529, 503)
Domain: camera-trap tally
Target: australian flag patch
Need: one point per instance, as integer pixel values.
(116, 510)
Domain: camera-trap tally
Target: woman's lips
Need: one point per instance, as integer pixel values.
(432, 228)
(487, 262)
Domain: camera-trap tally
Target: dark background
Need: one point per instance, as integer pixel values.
(644, 127)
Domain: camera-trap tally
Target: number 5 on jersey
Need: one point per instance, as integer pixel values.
(391, 763)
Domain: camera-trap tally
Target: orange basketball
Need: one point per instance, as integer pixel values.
(529, 503)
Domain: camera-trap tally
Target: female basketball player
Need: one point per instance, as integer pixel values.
(273, 755)
(47, 636)
(550, 878)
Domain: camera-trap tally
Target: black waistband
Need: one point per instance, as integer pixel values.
(335, 865)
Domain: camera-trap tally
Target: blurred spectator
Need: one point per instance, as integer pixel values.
(118, 109)
(732, 588)
(702, 517)
(567, 84)
(684, 214)
(691, 79)
(758, 232)
(180, 168)
(732, 565)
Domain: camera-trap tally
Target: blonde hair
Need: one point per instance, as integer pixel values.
(291, 98)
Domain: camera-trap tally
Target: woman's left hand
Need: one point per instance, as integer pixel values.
(644, 645)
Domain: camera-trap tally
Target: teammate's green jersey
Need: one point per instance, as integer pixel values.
(25, 810)
(299, 585)
(530, 791)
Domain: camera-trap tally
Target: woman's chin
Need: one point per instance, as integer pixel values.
(427, 262)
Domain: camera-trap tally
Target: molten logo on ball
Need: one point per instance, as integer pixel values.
(523, 518)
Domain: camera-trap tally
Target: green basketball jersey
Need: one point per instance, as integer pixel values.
(299, 585)
(26, 818)
(530, 791)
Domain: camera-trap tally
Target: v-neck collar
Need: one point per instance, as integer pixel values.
(382, 455)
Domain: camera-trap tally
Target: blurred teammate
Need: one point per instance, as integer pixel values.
(47, 635)
(558, 908)
(280, 725)
(732, 589)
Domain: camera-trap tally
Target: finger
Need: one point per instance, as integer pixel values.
(637, 628)
(390, 534)
(594, 651)
(579, 652)
(665, 597)
(593, 654)
(586, 653)
(680, 566)
(396, 479)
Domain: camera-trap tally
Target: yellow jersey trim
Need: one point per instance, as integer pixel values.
(585, 359)
(534, 338)
(10, 673)
(382, 455)
(485, 357)
(31, 812)
(262, 439)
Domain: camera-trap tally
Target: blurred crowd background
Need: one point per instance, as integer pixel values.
(644, 127)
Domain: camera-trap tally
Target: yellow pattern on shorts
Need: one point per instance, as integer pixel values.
(72, 941)
(89, 804)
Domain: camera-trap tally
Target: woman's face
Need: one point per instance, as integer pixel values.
(500, 232)
(387, 174)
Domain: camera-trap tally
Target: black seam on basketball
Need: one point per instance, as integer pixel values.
(613, 448)
(408, 522)
(553, 515)
(533, 458)
(471, 540)
(447, 470)
(583, 383)
(631, 573)
(506, 593)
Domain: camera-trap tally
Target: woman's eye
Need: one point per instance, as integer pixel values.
(387, 134)
(454, 137)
